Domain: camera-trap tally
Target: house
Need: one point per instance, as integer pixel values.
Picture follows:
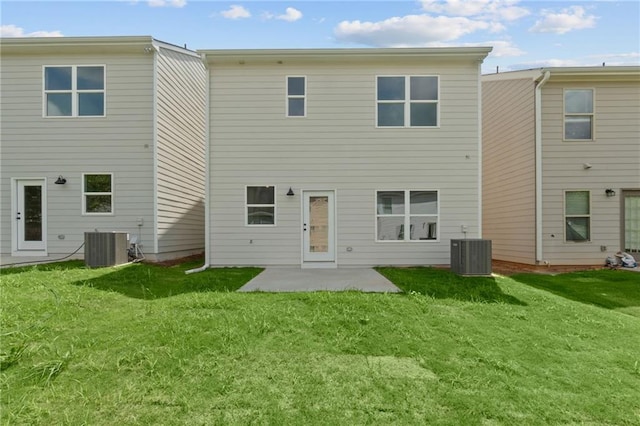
(103, 133)
(561, 164)
(342, 157)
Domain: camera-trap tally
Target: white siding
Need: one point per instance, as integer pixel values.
(180, 158)
(337, 147)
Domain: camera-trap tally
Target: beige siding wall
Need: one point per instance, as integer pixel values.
(337, 147)
(180, 158)
(615, 159)
(120, 143)
(508, 170)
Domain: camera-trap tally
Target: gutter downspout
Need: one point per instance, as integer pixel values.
(207, 173)
(538, 149)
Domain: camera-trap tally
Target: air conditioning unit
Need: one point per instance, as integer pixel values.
(471, 257)
(105, 248)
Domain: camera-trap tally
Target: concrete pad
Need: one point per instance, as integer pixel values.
(298, 280)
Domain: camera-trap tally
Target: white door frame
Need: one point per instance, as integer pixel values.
(326, 259)
(20, 246)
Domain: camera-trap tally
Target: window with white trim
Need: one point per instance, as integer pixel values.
(260, 205)
(296, 96)
(406, 215)
(74, 91)
(577, 216)
(578, 114)
(97, 193)
(407, 101)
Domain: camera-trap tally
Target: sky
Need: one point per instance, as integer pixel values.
(523, 34)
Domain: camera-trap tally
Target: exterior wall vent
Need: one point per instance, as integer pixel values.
(105, 248)
(471, 257)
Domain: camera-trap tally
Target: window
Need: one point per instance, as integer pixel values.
(74, 91)
(407, 101)
(399, 211)
(577, 216)
(97, 193)
(261, 205)
(578, 114)
(296, 96)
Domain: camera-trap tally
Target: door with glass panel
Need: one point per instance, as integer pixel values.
(631, 221)
(30, 215)
(318, 232)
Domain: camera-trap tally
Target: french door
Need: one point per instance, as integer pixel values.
(631, 221)
(318, 231)
(29, 210)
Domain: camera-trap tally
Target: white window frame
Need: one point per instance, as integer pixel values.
(74, 91)
(407, 102)
(85, 193)
(565, 216)
(592, 114)
(247, 205)
(406, 215)
(288, 97)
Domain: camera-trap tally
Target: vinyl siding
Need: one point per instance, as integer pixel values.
(508, 145)
(180, 158)
(120, 143)
(615, 159)
(337, 147)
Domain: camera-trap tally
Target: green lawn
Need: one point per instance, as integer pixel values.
(144, 344)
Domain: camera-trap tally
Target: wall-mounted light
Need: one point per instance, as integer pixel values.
(290, 193)
(610, 192)
(60, 180)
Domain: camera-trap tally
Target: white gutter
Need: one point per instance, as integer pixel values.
(538, 106)
(207, 175)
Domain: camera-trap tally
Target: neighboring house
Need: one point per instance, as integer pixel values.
(561, 161)
(323, 157)
(103, 133)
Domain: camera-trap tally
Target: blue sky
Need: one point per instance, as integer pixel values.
(524, 34)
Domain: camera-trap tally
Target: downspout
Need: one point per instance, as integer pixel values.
(538, 141)
(207, 173)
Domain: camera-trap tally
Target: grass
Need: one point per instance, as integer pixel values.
(142, 344)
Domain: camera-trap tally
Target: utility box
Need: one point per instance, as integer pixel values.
(471, 257)
(105, 248)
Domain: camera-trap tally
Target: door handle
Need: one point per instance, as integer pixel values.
(18, 218)
(304, 228)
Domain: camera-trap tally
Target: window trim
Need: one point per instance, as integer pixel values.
(407, 102)
(592, 114)
(84, 194)
(288, 96)
(74, 92)
(565, 216)
(247, 205)
(407, 215)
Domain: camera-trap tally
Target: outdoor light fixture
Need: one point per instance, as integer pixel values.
(610, 192)
(60, 180)
(290, 193)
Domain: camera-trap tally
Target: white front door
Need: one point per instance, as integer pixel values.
(30, 216)
(318, 230)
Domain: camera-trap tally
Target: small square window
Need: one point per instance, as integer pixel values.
(74, 91)
(260, 205)
(97, 192)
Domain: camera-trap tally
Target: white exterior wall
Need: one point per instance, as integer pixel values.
(337, 147)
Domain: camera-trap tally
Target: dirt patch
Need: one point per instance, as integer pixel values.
(180, 260)
(509, 268)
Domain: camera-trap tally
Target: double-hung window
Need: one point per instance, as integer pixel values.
(577, 216)
(260, 205)
(406, 215)
(296, 96)
(407, 101)
(578, 114)
(74, 91)
(97, 193)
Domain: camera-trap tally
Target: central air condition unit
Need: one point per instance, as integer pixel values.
(105, 248)
(471, 257)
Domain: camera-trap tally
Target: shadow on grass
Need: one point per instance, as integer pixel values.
(604, 288)
(44, 267)
(444, 284)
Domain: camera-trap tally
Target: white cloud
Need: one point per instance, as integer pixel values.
(236, 12)
(569, 19)
(503, 48)
(167, 3)
(500, 10)
(15, 31)
(290, 15)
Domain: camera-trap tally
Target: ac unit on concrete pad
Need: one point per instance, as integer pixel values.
(105, 248)
(471, 257)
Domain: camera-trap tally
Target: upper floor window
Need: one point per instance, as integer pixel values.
(74, 91)
(296, 96)
(97, 193)
(577, 216)
(406, 215)
(407, 101)
(261, 205)
(578, 114)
